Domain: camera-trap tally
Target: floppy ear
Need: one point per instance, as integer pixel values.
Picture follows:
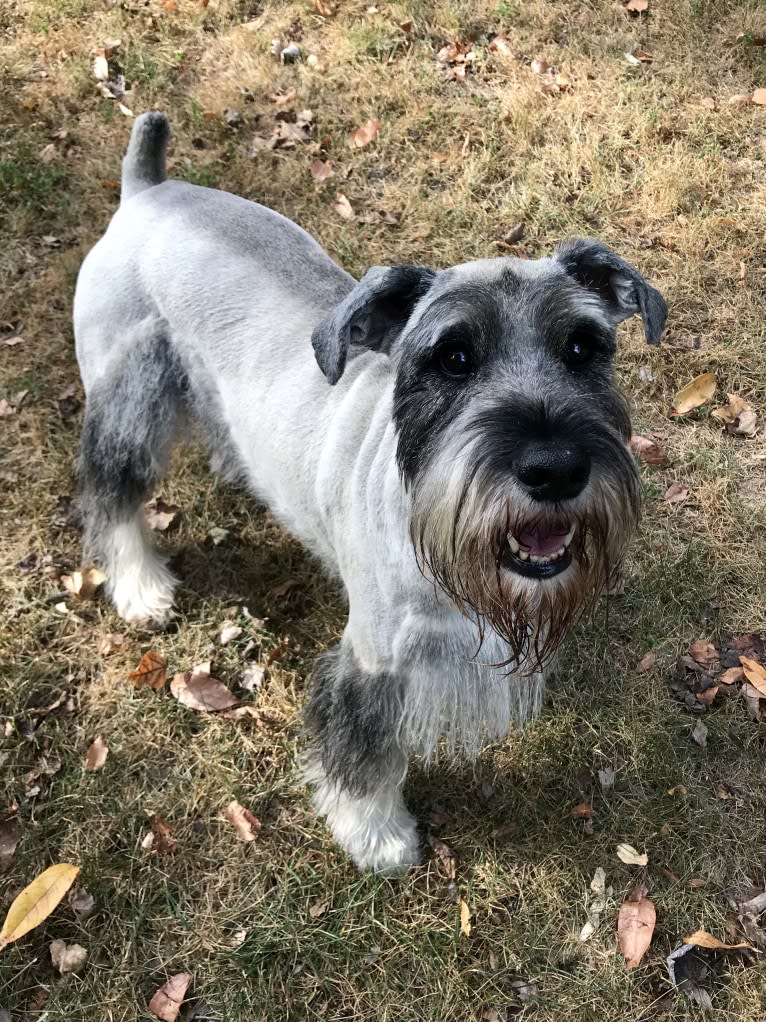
(372, 315)
(622, 290)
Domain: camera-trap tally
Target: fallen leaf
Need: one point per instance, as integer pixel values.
(197, 690)
(630, 856)
(96, 754)
(675, 493)
(739, 99)
(282, 98)
(582, 811)
(150, 673)
(539, 66)
(166, 1002)
(163, 838)
(37, 901)
(637, 6)
(699, 734)
(159, 515)
(699, 392)
(677, 789)
(252, 678)
(284, 587)
(647, 662)
(110, 643)
(6, 409)
(755, 674)
(704, 652)
(647, 451)
(229, 632)
(499, 44)
(343, 207)
(10, 835)
(759, 97)
(67, 958)
(83, 904)
(246, 824)
(321, 170)
(446, 856)
(318, 908)
(606, 778)
(686, 970)
(707, 695)
(84, 583)
(407, 26)
(704, 939)
(366, 134)
(708, 103)
(737, 416)
(696, 884)
(465, 918)
(100, 67)
(635, 926)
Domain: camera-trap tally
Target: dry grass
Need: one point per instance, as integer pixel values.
(629, 154)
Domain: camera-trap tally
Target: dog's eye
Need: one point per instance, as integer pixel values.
(579, 348)
(454, 358)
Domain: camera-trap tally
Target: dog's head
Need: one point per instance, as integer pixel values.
(511, 432)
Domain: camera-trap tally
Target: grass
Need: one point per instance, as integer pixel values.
(629, 154)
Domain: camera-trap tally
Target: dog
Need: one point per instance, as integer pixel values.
(450, 444)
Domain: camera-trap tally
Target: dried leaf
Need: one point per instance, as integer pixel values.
(737, 416)
(84, 583)
(67, 958)
(100, 67)
(759, 97)
(675, 493)
(582, 811)
(704, 939)
(283, 98)
(708, 103)
(96, 754)
(246, 824)
(110, 643)
(465, 918)
(284, 588)
(321, 170)
(252, 678)
(699, 734)
(637, 6)
(366, 134)
(647, 662)
(159, 515)
(755, 674)
(197, 690)
(343, 207)
(150, 673)
(732, 676)
(635, 926)
(699, 392)
(166, 1002)
(83, 904)
(539, 66)
(10, 835)
(500, 44)
(647, 451)
(677, 789)
(163, 839)
(704, 653)
(630, 856)
(229, 632)
(446, 856)
(37, 901)
(318, 908)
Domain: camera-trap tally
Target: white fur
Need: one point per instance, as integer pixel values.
(138, 580)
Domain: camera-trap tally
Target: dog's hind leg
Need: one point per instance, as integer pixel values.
(356, 763)
(130, 417)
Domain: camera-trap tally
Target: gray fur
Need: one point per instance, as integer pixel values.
(390, 425)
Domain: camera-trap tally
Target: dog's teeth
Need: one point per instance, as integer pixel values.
(513, 544)
(523, 554)
(569, 535)
(561, 552)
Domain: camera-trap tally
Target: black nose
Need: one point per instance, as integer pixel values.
(552, 471)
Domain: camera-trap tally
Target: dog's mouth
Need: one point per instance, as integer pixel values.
(540, 552)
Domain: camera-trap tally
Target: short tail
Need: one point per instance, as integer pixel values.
(144, 163)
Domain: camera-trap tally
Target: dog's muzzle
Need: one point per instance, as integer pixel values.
(541, 551)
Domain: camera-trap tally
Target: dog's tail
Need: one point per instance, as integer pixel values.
(144, 162)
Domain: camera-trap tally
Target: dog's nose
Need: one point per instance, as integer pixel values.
(552, 471)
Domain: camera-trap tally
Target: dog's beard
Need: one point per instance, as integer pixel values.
(460, 524)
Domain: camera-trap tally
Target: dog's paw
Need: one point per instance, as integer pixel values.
(146, 597)
(392, 852)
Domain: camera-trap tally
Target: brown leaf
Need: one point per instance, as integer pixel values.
(159, 515)
(283, 98)
(197, 690)
(698, 392)
(647, 662)
(677, 789)
(732, 676)
(96, 754)
(110, 643)
(67, 958)
(84, 583)
(150, 673)
(635, 926)
(166, 1002)
(539, 66)
(10, 835)
(500, 44)
(759, 97)
(465, 918)
(708, 103)
(707, 696)
(321, 170)
(647, 451)
(701, 938)
(737, 416)
(164, 842)
(284, 587)
(582, 811)
(446, 856)
(364, 135)
(675, 493)
(739, 99)
(755, 674)
(246, 824)
(704, 652)
(318, 908)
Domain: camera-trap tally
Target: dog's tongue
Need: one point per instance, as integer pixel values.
(542, 542)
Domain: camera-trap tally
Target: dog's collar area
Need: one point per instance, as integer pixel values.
(540, 552)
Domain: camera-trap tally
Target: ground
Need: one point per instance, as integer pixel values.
(649, 156)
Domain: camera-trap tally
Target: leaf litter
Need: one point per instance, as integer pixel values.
(712, 672)
(152, 672)
(246, 824)
(698, 392)
(166, 1002)
(197, 690)
(635, 926)
(67, 958)
(96, 756)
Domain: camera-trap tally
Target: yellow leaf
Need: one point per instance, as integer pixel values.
(37, 901)
(699, 392)
(465, 918)
(755, 674)
(704, 939)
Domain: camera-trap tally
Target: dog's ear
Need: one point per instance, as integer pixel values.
(622, 290)
(372, 315)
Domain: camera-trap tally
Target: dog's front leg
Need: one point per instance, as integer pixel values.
(357, 764)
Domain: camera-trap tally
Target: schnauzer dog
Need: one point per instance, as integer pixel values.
(449, 443)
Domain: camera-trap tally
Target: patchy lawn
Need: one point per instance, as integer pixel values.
(649, 155)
